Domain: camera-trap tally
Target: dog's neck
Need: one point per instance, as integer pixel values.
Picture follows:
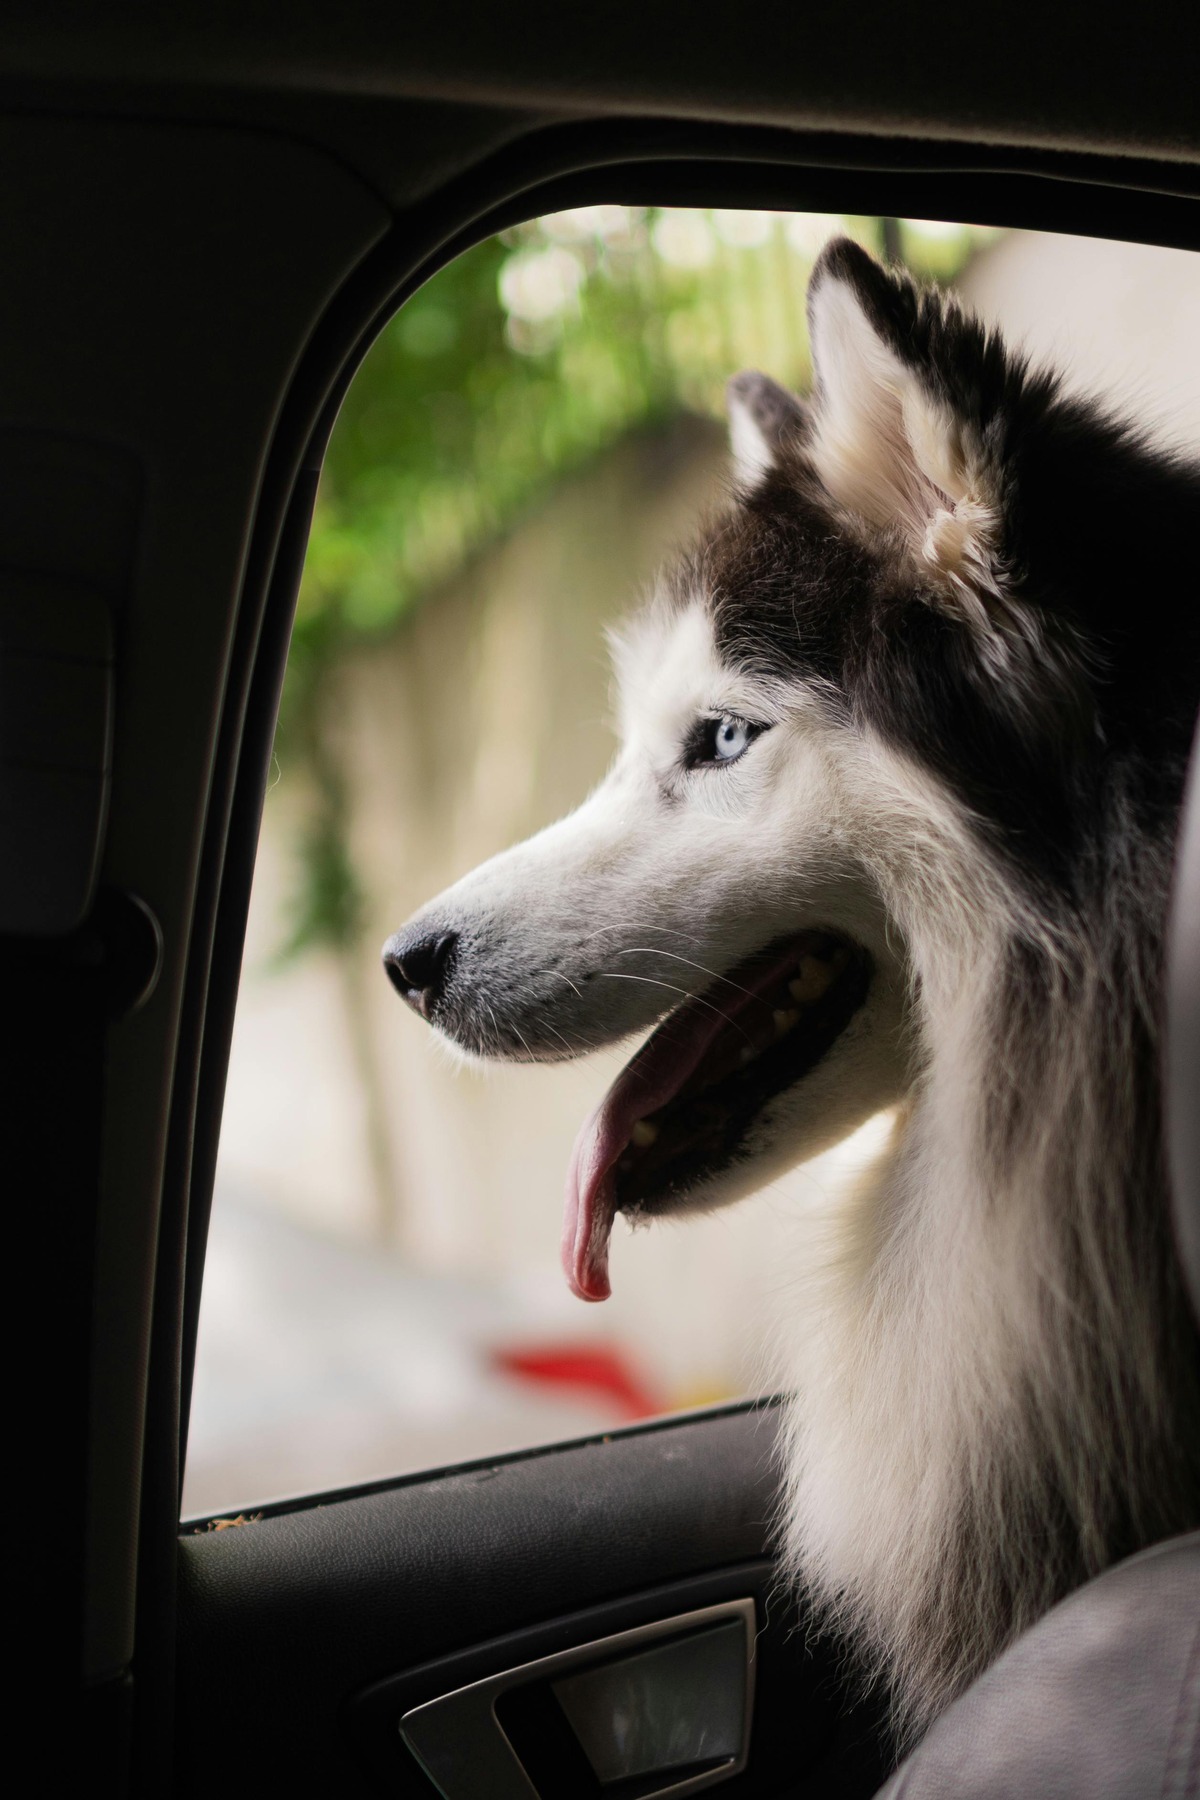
(992, 1406)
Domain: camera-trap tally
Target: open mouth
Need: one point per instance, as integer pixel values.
(679, 1111)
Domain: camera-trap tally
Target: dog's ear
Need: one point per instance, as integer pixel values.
(900, 434)
(763, 420)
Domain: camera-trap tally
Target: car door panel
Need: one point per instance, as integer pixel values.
(306, 1634)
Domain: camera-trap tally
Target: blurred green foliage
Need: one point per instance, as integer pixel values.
(512, 367)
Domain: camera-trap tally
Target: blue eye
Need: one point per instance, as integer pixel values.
(720, 740)
(730, 739)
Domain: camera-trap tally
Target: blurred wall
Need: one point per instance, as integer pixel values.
(1121, 320)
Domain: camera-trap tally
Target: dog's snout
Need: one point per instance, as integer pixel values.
(418, 966)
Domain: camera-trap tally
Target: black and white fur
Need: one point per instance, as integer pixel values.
(962, 610)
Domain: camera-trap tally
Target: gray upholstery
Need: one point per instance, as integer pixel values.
(1100, 1701)
(1183, 1040)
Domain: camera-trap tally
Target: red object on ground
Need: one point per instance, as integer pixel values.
(598, 1368)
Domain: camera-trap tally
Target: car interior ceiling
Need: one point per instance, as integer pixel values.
(205, 228)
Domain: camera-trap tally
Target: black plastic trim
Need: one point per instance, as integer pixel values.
(198, 1523)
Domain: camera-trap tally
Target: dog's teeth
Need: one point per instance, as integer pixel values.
(643, 1134)
(812, 981)
(784, 1019)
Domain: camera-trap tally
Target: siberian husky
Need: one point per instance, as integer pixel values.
(902, 745)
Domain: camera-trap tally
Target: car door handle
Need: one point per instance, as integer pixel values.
(663, 1710)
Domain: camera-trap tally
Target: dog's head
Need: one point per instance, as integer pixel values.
(835, 713)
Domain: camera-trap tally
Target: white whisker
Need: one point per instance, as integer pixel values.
(495, 1025)
(672, 987)
(652, 950)
(546, 1026)
(637, 925)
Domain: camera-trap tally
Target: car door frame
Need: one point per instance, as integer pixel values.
(660, 162)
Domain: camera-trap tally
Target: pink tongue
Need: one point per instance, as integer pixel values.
(655, 1074)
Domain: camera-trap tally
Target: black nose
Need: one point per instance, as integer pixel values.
(418, 967)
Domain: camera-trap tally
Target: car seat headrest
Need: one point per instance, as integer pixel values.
(1182, 1074)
